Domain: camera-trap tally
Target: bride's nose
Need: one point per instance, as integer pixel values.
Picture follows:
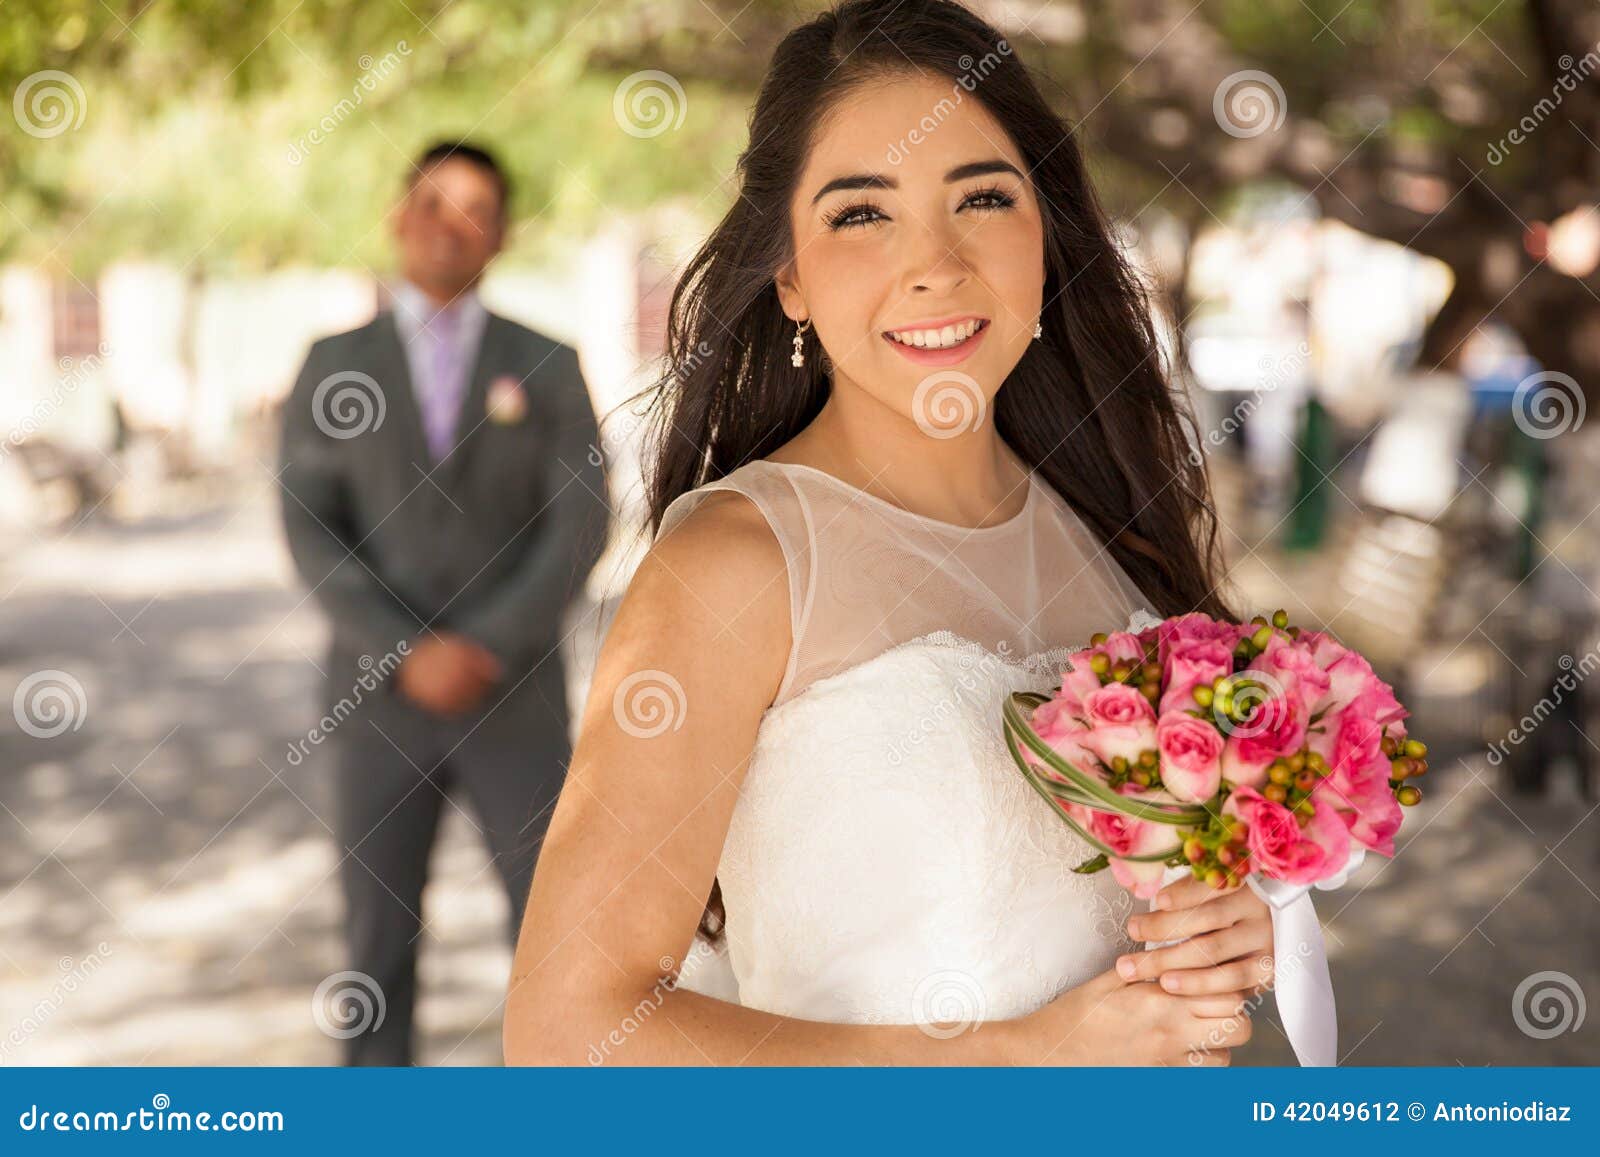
(933, 261)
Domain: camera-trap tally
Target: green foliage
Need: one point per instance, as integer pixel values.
(247, 135)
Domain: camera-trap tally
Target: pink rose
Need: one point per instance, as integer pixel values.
(1367, 806)
(1276, 728)
(1126, 836)
(1349, 738)
(1122, 647)
(1351, 678)
(1064, 732)
(1191, 756)
(1121, 722)
(1182, 630)
(1077, 680)
(1189, 665)
(1294, 667)
(1358, 782)
(1281, 848)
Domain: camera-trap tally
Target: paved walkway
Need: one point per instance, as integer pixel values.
(166, 887)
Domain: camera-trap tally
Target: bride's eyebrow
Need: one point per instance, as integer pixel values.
(879, 181)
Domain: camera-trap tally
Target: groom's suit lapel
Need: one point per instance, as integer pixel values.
(394, 374)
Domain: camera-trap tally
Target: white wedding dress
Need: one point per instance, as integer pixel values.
(886, 862)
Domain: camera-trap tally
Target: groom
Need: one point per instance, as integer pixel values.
(443, 498)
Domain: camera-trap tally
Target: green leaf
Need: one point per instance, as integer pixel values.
(1081, 787)
(1095, 864)
(1052, 791)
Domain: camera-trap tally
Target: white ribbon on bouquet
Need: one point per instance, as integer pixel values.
(1300, 980)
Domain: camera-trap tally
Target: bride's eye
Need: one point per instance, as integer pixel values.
(850, 216)
(989, 199)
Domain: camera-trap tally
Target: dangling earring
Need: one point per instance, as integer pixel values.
(1038, 329)
(798, 358)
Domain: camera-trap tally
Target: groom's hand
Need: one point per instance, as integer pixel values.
(1226, 940)
(448, 674)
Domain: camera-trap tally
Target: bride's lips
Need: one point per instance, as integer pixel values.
(939, 357)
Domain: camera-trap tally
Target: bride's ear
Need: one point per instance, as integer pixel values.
(794, 305)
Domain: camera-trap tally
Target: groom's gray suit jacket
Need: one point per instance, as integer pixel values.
(491, 542)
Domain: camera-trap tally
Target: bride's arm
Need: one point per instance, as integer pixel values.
(693, 657)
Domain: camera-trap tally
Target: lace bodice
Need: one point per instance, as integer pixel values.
(885, 862)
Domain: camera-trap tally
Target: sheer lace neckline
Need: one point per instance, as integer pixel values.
(1016, 520)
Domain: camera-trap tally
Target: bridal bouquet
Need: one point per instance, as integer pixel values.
(1246, 751)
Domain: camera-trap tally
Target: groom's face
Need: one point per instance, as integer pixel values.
(449, 227)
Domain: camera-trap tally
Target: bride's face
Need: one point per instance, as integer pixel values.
(915, 223)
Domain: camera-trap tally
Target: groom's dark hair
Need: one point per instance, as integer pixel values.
(466, 151)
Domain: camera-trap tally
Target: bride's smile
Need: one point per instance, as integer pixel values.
(914, 435)
(938, 343)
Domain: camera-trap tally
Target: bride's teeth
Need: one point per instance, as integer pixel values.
(944, 338)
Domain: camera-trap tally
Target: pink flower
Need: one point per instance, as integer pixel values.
(1191, 756)
(1187, 666)
(1281, 848)
(1351, 678)
(1077, 680)
(1122, 647)
(1121, 722)
(1349, 738)
(1064, 732)
(1294, 667)
(1276, 728)
(1367, 806)
(1078, 812)
(1181, 630)
(1325, 649)
(1126, 836)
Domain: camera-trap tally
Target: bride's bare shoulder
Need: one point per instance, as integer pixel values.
(716, 579)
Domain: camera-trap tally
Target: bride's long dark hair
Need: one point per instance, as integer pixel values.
(1089, 408)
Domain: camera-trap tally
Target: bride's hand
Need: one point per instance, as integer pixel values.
(1229, 949)
(1110, 1021)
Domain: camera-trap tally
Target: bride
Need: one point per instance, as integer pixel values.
(914, 443)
